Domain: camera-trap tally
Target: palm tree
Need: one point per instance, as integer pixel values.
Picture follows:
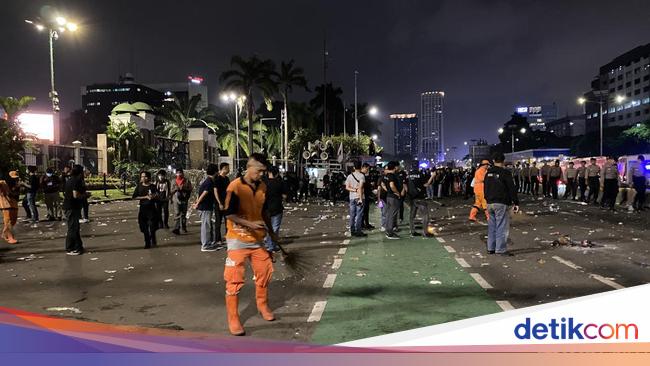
(251, 76)
(334, 105)
(124, 136)
(227, 138)
(289, 77)
(177, 117)
(13, 106)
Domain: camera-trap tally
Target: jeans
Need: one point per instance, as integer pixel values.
(430, 191)
(276, 221)
(180, 215)
(392, 211)
(639, 186)
(356, 216)
(383, 214)
(207, 229)
(422, 206)
(73, 237)
(498, 227)
(31, 203)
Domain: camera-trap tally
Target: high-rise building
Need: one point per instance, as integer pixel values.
(184, 90)
(406, 134)
(628, 76)
(431, 127)
(538, 115)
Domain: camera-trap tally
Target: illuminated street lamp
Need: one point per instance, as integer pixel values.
(372, 111)
(512, 129)
(237, 100)
(55, 26)
(602, 99)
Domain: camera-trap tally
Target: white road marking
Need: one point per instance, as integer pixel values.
(596, 277)
(329, 281)
(450, 249)
(337, 263)
(463, 263)
(505, 305)
(441, 239)
(481, 281)
(317, 311)
(606, 281)
(342, 251)
(346, 241)
(567, 263)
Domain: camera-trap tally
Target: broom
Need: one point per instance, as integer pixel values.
(296, 262)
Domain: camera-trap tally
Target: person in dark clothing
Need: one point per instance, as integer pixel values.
(148, 215)
(164, 195)
(639, 181)
(276, 191)
(416, 199)
(180, 196)
(32, 185)
(394, 192)
(73, 196)
(500, 193)
(51, 186)
(367, 193)
(221, 182)
(86, 204)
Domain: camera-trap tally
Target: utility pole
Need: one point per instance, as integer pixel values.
(325, 85)
(356, 115)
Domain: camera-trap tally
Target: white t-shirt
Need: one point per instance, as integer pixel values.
(355, 180)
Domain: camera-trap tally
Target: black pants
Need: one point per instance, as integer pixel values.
(582, 182)
(392, 210)
(552, 185)
(365, 221)
(422, 206)
(534, 186)
(526, 188)
(73, 237)
(517, 184)
(639, 186)
(401, 209)
(610, 191)
(148, 219)
(163, 209)
(594, 188)
(545, 190)
(570, 188)
(219, 218)
(86, 207)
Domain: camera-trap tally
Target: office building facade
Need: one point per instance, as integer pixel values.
(431, 127)
(628, 76)
(538, 115)
(406, 134)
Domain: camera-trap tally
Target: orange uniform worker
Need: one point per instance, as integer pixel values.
(479, 197)
(247, 225)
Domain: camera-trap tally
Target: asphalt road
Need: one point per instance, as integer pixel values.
(353, 288)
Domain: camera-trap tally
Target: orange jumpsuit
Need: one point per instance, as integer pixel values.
(246, 201)
(479, 197)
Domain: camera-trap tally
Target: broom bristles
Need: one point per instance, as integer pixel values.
(296, 262)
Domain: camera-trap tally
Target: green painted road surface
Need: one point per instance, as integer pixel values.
(385, 286)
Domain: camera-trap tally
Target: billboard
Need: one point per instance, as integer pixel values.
(39, 125)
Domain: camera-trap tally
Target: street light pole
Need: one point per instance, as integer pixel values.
(512, 139)
(237, 135)
(600, 114)
(52, 90)
(356, 116)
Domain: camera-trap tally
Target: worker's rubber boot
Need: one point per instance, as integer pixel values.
(234, 325)
(472, 213)
(261, 295)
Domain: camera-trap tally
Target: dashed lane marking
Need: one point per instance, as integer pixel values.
(606, 281)
(342, 251)
(337, 263)
(463, 263)
(481, 281)
(346, 241)
(450, 249)
(505, 305)
(317, 311)
(567, 263)
(329, 281)
(441, 239)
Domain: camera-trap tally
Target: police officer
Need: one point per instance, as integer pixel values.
(593, 178)
(516, 173)
(582, 179)
(554, 176)
(610, 185)
(545, 178)
(533, 177)
(525, 178)
(639, 181)
(570, 175)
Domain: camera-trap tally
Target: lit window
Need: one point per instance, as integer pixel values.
(646, 100)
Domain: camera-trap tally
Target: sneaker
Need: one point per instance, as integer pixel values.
(370, 227)
(490, 252)
(360, 234)
(176, 232)
(413, 235)
(392, 236)
(382, 229)
(84, 221)
(74, 252)
(506, 254)
(209, 249)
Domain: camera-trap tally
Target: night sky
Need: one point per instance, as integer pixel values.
(488, 56)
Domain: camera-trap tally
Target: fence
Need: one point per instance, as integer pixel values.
(45, 156)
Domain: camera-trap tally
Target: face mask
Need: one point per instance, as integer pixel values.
(48, 174)
(160, 177)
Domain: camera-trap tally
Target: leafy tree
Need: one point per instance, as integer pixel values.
(12, 137)
(641, 132)
(177, 117)
(287, 78)
(124, 137)
(252, 77)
